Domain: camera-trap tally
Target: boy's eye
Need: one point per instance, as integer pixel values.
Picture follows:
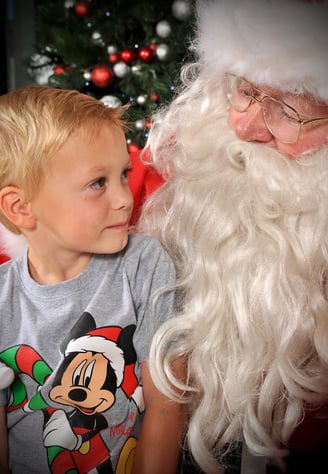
(99, 183)
(126, 172)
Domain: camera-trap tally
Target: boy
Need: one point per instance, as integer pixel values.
(77, 308)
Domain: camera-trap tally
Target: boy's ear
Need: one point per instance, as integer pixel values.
(16, 208)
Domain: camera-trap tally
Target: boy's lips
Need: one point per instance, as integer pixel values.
(119, 225)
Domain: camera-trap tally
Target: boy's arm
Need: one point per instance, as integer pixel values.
(4, 467)
(159, 443)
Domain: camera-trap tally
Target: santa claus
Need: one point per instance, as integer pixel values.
(244, 151)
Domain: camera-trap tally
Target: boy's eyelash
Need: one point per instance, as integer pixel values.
(127, 171)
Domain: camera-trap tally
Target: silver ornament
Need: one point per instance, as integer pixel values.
(162, 51)
(111, 49)
(121, 69)
(163, 29)
(141, 99)
(181, 9)
(111, 101)
(139, 124)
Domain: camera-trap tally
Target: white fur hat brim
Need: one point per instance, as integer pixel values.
(279, 43)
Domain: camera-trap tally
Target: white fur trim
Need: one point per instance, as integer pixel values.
(11, 244)
(279, 43)
(100, 345)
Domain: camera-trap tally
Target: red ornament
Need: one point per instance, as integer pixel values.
(82, 9)
(132, 148)
(102, 76)
(153, 47)
(128, 56)
(154, 96)
(114, 58)
(59, 69)
(146, 55)
(148, 124)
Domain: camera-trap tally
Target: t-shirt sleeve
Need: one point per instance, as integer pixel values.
(154, 294)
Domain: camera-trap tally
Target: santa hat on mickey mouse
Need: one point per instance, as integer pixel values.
(101, 341)
(104, 341)
(278, 43)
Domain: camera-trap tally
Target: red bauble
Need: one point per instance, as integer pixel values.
(102, 76)
(146, 55)
(113, 58)
(154, 96)
(82, 9)
(148, 124)
(132, 147)
(59, 69)
(128, 56)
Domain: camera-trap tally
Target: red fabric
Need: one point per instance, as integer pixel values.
(143, 181)
(3, 257)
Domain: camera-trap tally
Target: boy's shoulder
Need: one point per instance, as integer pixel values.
(6, 267)
(8, 273)
(143, 244)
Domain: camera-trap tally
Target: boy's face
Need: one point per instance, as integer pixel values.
(85, 203)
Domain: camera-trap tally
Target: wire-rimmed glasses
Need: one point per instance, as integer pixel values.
(282, 120)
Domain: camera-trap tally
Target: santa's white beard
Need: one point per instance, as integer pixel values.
(247, 229)
(262, 232)
(272, 258)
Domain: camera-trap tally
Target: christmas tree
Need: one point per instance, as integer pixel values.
(119, 51)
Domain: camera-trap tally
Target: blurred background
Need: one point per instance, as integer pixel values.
(119, 51)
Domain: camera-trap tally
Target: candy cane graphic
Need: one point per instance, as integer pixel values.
(24, 359)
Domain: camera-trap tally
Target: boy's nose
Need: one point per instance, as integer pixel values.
(122, 197)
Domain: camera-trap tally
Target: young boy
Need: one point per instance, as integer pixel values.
(80, 305)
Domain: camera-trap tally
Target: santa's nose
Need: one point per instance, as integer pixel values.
(250, 125)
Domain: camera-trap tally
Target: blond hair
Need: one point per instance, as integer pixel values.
(35, 122)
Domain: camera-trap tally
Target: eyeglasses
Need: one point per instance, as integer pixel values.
(282, 120)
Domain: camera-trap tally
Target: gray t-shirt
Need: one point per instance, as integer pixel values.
(76, 404)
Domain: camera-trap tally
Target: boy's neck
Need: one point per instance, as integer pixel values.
(56, 269)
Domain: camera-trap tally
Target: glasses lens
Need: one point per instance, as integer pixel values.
(281, 120)
(239, 94)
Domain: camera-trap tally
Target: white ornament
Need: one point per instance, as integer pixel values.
(12, 244)
(139, 124)
(97, 38)
(87, 75)
(121, 69)
(162, 51)
(111, 101)
(111, 49)
(136, 69)
(163, 29)
(181, 9)
(69, 3)
(141, 99)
